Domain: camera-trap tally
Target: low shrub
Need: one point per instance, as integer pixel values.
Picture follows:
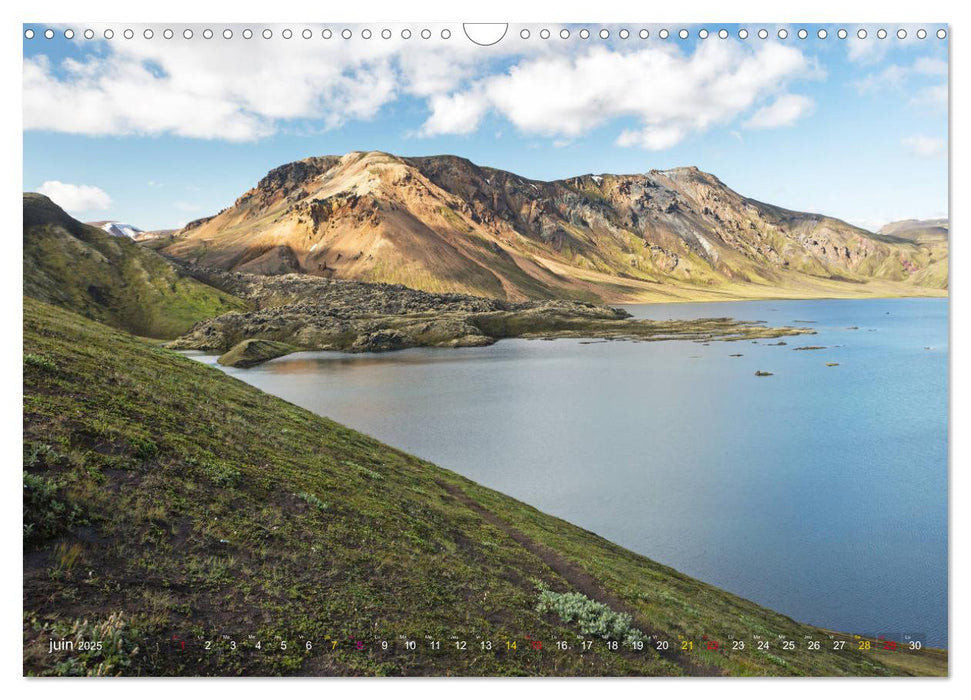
(46, 512)
(144, 447)
(222, 474)
(591, 617)
(312, 500)
(40, 362)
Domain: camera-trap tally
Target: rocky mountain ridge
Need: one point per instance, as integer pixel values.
(444, 224)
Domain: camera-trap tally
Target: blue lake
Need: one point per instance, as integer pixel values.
(820, 491)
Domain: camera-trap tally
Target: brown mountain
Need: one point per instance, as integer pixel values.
(442, 224)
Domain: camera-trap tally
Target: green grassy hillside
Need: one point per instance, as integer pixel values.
(167, 504)
(110, 279)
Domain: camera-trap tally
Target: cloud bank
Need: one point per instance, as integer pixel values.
(245, 90)
(669, 94)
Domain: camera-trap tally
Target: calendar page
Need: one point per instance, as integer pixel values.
(444, 349)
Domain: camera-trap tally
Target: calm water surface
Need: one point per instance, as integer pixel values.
(820, 491)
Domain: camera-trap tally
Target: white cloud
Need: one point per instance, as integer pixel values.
(897, 76)
(240, 90)
(670, 94)
(934, 97)
(116, 96)
(234, 90)
(869, 50)
(75, 198)
(930, 66)
(785, 110)
(925, 146)
(653, 139)
(459, 113)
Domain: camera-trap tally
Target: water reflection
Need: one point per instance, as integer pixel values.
(820, 491)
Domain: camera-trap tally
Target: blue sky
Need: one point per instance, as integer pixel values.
(160, 131)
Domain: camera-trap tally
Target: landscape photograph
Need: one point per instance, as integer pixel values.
(431, 349)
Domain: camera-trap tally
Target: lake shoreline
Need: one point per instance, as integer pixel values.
(641, 407)
(299, 312)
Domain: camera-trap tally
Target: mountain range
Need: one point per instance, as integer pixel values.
(166, 502)
(444, 224)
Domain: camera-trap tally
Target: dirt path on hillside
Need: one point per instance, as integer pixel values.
(585, 584)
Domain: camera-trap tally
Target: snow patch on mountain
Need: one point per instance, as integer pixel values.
(120, 229)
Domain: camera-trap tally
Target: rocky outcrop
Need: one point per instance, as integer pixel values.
(305, 312)
(254, 351)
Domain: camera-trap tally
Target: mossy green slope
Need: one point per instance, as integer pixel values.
(110, 279)
(170, 502)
